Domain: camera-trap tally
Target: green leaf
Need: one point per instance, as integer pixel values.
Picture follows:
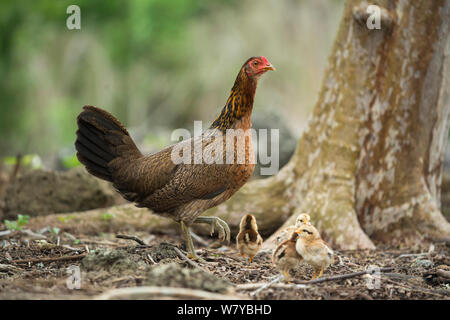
(107, 216)
(11, 225)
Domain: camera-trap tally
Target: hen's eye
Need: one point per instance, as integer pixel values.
(255, 63)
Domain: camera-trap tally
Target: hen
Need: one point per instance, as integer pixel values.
(181, 190)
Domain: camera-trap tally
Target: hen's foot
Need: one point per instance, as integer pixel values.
(222, 227)
(189, 245)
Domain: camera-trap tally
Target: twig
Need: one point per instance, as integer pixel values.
(222, 255)
(183, 293)
(134, 238)
(33, 235)
(411, 255)
(444, 240)
(127, 278)
(443, 273)
(150, 258)
(63, 258)
(16, 168)
(261, 285)
(192, 263)
(343, 276)
(73, 249)
(8, 268)
(5, 233)
(398, 276)
(422, 290)
(267, 285)
(199, 239)
(104, 243)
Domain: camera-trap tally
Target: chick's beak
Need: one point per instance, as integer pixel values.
(269, 67)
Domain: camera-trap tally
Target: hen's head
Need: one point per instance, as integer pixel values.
(256, 66)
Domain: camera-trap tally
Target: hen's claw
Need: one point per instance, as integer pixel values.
(222, 227)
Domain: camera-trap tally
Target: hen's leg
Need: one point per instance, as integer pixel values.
(222, 226)
(189, 245)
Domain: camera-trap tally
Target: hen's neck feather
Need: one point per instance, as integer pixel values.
(239, 104)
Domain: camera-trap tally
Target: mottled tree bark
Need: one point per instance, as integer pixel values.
(405, 133)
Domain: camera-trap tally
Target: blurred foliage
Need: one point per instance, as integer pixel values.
(69, 162)
(17, 225)
(153, 63)
(32, 161)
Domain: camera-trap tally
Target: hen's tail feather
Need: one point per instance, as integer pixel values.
(101, 138)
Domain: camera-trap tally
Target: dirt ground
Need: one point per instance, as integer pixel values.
(32, 268)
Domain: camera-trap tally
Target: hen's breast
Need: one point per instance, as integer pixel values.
(239, 142)
(228, 162)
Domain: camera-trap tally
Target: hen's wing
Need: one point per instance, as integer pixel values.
(161, 183)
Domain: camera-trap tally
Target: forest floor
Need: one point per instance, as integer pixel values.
(38, 269)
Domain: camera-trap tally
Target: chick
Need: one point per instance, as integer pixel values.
(286, 257)
(313, 249)
(303, 218)
(248, 240)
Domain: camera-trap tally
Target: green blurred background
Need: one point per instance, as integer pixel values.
(156, 65)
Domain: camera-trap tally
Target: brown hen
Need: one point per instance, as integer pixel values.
(179, 189)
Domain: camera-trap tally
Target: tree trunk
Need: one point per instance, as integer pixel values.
(401, 159)
(369, 163)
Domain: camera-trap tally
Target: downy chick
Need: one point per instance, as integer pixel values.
(313, 249)
(285, 257)
(302, 219)
(248, 240)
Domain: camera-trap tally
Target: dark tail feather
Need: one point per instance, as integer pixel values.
(101, 138)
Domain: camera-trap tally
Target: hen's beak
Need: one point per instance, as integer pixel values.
(269, 67)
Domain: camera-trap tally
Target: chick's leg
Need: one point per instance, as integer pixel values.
(287, 276)
(315, 274)
(215, 222)
(189, 244)
(321, 272)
